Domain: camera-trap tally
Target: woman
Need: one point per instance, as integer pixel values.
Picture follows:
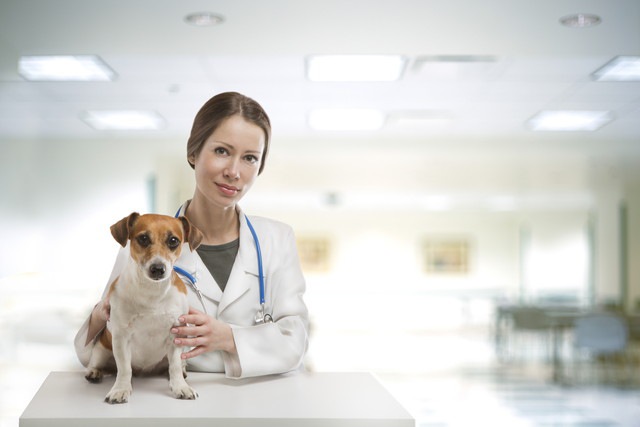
(227, 149)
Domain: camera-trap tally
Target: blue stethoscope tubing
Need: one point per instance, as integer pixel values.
(259, 255)
(261, 316)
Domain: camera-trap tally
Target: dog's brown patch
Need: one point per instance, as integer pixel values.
(106, 339)
(179, 284)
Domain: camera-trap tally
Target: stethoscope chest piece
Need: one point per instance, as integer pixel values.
(262, 317)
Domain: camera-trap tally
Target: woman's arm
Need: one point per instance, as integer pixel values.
(278, 347)
(250, 350)
(97, 320)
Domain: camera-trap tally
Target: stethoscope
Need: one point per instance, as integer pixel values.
(261, 315)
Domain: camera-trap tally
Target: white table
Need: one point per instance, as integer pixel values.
(66, 399)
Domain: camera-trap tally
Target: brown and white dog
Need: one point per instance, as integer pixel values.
(146, 301)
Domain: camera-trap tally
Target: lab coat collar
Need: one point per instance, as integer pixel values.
(244, 273)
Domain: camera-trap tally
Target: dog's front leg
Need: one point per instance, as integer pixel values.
(179, 387)
(121, 389)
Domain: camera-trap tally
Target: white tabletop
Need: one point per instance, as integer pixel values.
(66, 399)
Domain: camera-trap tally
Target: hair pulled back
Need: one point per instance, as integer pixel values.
(219, 108)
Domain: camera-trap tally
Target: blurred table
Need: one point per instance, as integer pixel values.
(66, 399)
(556, 320)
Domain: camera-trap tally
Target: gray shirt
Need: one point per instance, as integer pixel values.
(219, 260)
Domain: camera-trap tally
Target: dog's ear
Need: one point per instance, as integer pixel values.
(120, 230)
(191, 233)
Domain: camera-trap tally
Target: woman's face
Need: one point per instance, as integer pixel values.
(228, 162)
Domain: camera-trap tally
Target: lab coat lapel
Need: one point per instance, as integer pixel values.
(191, 262)
(244, 273)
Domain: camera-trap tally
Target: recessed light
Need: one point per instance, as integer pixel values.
(123, 119)
(619, 69)
(346, 119)
(204, 19)
(355, 68)
(569, 120)
(580, 20)
(86, 68)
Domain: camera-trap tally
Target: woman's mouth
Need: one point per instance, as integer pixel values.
(228, 190)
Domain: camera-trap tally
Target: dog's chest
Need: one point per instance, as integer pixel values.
(146, 327)
(150, 338)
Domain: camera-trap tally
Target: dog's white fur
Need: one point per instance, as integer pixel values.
(146, 301)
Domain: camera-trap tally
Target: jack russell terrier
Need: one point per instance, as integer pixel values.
(146, 300)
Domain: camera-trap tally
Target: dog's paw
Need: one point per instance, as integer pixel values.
(119, 395)
(94, 376)
(184, 392)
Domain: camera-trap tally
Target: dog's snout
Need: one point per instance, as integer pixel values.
(157, 271)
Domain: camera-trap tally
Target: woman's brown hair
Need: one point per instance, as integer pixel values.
(218, 109)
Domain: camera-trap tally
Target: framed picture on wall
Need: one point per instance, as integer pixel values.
(314, 253)
(442, 255)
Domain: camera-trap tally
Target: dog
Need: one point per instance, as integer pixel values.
(146, 300)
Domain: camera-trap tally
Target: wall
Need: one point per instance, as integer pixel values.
(632, 197)
(59, 195)
(59, 199)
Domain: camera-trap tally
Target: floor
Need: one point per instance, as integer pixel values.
(444, 379)
(510, 398)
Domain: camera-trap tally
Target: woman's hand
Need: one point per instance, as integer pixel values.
(203, 333)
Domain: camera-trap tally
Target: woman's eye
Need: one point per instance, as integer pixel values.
(143, 240)
(173, 242)
(251, 159)
(221, 151)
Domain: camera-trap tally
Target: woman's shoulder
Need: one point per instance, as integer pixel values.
(269, 225)
(268, 228)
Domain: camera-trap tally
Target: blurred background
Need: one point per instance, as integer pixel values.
(463, 178)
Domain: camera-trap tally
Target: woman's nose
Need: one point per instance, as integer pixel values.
(232, 171)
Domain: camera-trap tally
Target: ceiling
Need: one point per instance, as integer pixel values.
(524, 61)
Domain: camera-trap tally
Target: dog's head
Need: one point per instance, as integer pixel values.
(156, 241)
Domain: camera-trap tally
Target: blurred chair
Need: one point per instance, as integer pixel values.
(633, 321)
(603, 339)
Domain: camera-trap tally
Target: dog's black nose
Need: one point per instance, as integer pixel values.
(156, 271)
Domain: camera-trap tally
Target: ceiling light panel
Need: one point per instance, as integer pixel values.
(355, 68)
(123, 120)
(560, 120)
(580, 20)
(456, 67)
(204, 19)
(346, 119)
(619, 69)
(85, 68)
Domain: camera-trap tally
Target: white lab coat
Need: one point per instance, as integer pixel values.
(263, 349)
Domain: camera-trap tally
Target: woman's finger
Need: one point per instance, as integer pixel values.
(194, 317)
(188, 342)
(197, 351)
(186, 331)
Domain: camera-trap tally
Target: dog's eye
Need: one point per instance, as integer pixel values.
(173, 242)
(143, 240)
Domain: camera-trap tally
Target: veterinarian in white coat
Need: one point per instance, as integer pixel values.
(227, 149)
